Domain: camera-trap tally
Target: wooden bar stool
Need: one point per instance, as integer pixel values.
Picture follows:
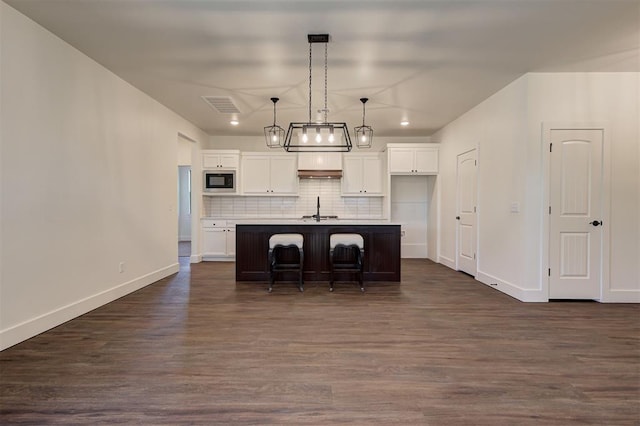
(346, 254)
(282, 248)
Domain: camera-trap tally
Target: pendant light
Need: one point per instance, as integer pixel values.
(364, 134)
(274, 134)
(324, 136)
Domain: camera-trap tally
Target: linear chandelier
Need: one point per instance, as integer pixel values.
(322, 136)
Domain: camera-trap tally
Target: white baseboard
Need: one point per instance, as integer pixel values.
(195, 258)
(621, 296)
(522, 294)
(27, 329)
(449, 263)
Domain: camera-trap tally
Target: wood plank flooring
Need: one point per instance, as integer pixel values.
(437, 349)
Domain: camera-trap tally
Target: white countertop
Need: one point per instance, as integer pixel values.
(298, 221)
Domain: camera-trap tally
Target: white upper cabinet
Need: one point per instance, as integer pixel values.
(269, 174)
(320, 161)
(404, 159)
(362, 175)
(220, 159)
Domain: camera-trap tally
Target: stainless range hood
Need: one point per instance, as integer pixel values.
(320, 174)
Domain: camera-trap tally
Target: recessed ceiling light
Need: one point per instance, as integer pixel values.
(234, 122)
(404, 123)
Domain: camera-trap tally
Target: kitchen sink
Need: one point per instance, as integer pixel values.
(313, 217)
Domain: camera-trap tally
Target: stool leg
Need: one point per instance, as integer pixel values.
(331, 272)
(271, 277)
(300, 286)
(361, 262)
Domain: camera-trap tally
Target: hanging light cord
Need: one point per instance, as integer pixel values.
(309, 82)
(363, 112)
(274, 113)
(326, 48)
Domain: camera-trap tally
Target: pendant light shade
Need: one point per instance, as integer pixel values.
(274, 135)
(364, 133)
(318, 136)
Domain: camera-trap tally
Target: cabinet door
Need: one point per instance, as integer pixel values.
(231, 241)
(210, 161)
(372, 175)
(214, 241)
(229, 161)
(401, 160)
(352, 176)
(426, 160)
(283, 175)
(255, 175)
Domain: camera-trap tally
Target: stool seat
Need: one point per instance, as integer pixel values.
(282, 259)
(351, 257)
(346, 240)
(286, 240)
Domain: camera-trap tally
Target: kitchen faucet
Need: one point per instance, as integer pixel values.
(317, 215)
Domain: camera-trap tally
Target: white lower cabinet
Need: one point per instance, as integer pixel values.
(362, 175)
(218, 240)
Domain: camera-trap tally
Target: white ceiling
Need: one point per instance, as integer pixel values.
(427, 61)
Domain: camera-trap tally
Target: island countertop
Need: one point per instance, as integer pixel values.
(381, 242)
(299, 221)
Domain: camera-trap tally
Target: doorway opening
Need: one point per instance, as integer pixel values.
(184, 211)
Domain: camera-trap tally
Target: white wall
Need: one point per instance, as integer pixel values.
(257, 143)
(611, 99)
(331, 203)
(507, 129)
(88, 167)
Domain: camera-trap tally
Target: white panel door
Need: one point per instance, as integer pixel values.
(372, 175)
(426, 160)
(401, 160)
(255, 175)
(466, 194)
(283, 174)
(214, 241)
(352, 177)
(575, 222)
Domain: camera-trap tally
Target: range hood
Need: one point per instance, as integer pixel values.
(319, 174)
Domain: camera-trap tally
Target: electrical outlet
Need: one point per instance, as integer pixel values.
(121, 267)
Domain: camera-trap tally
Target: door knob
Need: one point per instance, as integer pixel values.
(457, 217)
(595, 223)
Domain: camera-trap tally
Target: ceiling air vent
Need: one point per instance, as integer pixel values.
(222, 104)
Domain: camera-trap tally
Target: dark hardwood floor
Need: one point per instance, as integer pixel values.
(437, 349)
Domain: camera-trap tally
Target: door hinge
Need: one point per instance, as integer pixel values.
(549, 271)
(475, 162)
(551, 147)
(474, 209)
(474, 256)
(549, 209)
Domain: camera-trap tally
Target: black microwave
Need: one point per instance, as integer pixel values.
(219, 181)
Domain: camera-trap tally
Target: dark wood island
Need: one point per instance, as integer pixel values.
(381, 242)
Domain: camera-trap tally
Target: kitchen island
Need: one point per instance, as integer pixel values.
(381, 242)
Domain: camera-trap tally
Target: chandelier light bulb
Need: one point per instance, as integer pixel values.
(318, 136)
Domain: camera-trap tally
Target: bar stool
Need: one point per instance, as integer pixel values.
(281, 257)
(351, 250)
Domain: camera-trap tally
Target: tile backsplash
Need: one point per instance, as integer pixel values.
(331, 203)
